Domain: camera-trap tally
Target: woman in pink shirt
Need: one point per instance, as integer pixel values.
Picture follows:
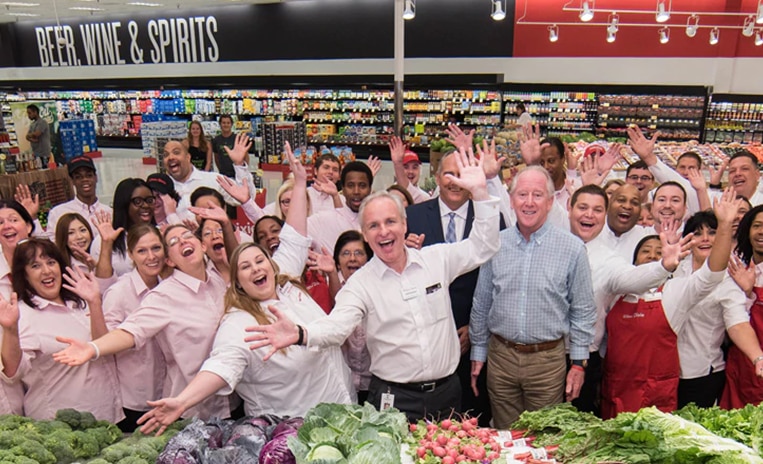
(141, 372)
(74, 237)
(49, 308)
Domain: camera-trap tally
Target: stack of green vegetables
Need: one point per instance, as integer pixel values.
(138, 448)
(743, 425)
(349, 434)
(648, 436)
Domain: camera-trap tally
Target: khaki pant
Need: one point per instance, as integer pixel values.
(520, 382)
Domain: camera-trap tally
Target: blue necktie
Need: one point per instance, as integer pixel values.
(450, 234)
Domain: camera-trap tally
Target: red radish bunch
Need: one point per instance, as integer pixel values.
(453, 441)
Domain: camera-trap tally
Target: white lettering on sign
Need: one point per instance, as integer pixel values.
(171, 40)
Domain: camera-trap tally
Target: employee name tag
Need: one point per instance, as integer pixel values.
(433, 288)
(409, 293)
(653, 296)
(387, 401)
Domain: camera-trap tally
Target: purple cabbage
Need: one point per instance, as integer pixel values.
(293, 423)
(276, 451)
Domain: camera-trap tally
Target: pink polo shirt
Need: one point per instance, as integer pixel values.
(11, 396)
(325, 227)
(141, 371)
(51, 386)
(182, 315)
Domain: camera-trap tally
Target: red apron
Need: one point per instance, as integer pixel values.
(641, 368)
(742, 385)
(318, 289)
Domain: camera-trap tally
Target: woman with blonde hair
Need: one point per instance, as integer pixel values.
(199, 147)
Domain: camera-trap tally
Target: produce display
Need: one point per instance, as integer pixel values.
(451, 441)
(743, 425)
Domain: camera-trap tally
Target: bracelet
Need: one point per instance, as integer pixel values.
(301, 338)
(755, 361)
(97, 350)
(715, 186)
(580, 368)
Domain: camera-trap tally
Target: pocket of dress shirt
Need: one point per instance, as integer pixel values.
(437, 308)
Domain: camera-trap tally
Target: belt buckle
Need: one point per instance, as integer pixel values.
(428, 387)
(519, 346)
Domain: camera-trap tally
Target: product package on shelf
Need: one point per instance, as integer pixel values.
(275, 134)
(155, 134)
(77, 137)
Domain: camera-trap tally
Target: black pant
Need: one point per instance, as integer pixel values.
(474, 406)
(703, 391)
(130, 422)
(590, 393)
(435, 404)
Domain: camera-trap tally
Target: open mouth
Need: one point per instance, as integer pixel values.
(173, 166)
(187, 251)
(81, 243)
(218, 246)
(261, 281)
(705, 247)
(739, 181)
(586, 225)
(153, 265)
(386, 245)
(145, 216)
(48, 282)
(10, 236)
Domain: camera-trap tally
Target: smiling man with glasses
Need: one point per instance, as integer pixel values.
(639, 176)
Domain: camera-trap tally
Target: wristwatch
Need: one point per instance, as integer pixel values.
(580, 362)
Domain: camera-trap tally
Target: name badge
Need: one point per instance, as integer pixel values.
(409, 293)
(387, 401)
(433, 288)
(656, 296)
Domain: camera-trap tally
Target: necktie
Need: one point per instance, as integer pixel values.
(450, 234)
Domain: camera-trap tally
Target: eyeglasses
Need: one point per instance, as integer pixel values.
(208, 233)
(187, 235)
(356, 253)
(636, 178)
(139, 201)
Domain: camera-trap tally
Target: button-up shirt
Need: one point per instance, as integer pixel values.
(74, 206)
(326, 226)
(700, 339)
(535, 291)
(120, 263)
(50, 385)
(418, 195)
(141, 371)
(320, 201)
(459, 218)
(411, 334)
(11, 396)
(207, 179)
(625, 244)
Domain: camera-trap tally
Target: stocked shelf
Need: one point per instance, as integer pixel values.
(734, 121)
(677, 117)
(555, 113)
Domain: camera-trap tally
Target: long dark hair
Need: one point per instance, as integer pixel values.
(24, 254)
(62, 234)
(122, 197)
(744, 245)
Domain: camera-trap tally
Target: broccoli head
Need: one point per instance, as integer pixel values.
(116, 452)
(104, 436)
(48, 427)
(85, 445)
(98, 461)
(134, 460)
(59, 444)
(24, 460)
(34, 450)
(146, 450)
(69, 416)
(10, 439)
(11, 422)
(87, 420)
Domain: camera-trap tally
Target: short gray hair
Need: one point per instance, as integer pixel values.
(376, 195)
(549, 181)
(446, 154)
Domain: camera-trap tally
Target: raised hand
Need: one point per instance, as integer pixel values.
(278, 335)
(743, 275)
(717, 174)
(641, 145)
(329, 188)
(239, 192)
(102, 221)
(82, 284)
(190, 224)
(726, 207)
(9, 312)
(396, 150)
(414, 241)
(570, 158)
(76, 354)
(674, 247)
(322, 261)
(81, 255)
(300, 175)
(591, 172)
(170, 205)
(610, 157)
(214, 213)
(374, 164)
(696, 179)
(241, 147)
(165, 411)
(491, 163)
(30, 203)
(458, 138)
(529, 145)
(472, 176)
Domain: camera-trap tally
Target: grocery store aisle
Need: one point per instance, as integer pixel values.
(117, 164)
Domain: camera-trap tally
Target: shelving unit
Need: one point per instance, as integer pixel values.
(557, 113)
(735, 118)
(677, 117)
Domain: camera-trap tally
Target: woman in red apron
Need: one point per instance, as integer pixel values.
(641, 366)
(744, 366)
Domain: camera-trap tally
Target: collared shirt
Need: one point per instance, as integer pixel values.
(459, 218)
(535, 291)
(289, 383)
(208, 179)
(418, 195)
(700, 339)
(326, 226)
(50, 385)
(182, 314)
(612, 275)
(320, 201)
(411, 334)
(625, 244)
(11, 396)
(558, 215)
(74, 206)
(141, 371)
(562, 197)
(120, 263)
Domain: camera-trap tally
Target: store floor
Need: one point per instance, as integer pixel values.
(117, 164)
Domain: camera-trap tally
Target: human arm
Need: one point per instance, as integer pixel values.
(329, 188)
(167, 410)
(374, 164)
(396, 153)
(218, 214)
(11, 347)
(642, 146)
(30, 202)
(716, 175)
(79, 352)
(241, 193)
(743, 275)
(208, 163)
(529, 145)
(324, 262)
(86, 287)
(297, 215)
(108, 235)
(744, 337)
(725, 209)
(697, 181)
(582, 307)
(478, 321)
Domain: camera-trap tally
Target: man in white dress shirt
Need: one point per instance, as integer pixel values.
(623, 233)
(402, 297)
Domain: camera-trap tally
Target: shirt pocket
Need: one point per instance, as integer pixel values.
(436, 307)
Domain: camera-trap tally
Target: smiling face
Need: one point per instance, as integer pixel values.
(268, 233)
(226, 126)
(702, 244)
(412, 171)
(195, 129)
(669, 205)
(44, 277)
(212, 238)
(352, 257)
(646, 219)
(78, 235)
(686, 163)
(148, 256)
(531, 201)
(255, 274)
(741, 211)
(384, 229)
(12, 228)
(84, 180)
(588, 216)
(141, 207)
(756, 237)
(177, 161)
(744, 175)
(452, 195)
(642, 179)
(184, 250)
(328, 171)
(356, 187)
(649, 252)
(624, 210)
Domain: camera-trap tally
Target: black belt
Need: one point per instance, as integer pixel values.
(418, 386)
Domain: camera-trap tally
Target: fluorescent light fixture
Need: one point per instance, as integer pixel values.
(19, 4)
(692, 24)
(749, 26)
(758, 39)
(586, 10)
(614, 24)
(499, 12)
(410, 9)
(22, 14)
(611, 35)
(714, 35)
(145, 4)
(759, 17)
(553, 33)
(663, 11)
(85, 8)
(664, 35)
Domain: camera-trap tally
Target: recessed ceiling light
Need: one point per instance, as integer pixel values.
(22, 14)
(85, 8)
(19, 4)
(145, 4)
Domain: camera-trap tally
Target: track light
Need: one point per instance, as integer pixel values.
(614, 23)
(758, 39)
(553, 33)
(663, 11)
(749, 26)
(611, 35)
(586, 10)
(499, 12)
(410, 10)
(664, 35)
(714, 35)
(759, 17)
(692, 24)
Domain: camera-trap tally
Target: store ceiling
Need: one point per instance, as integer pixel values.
(45, 10)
